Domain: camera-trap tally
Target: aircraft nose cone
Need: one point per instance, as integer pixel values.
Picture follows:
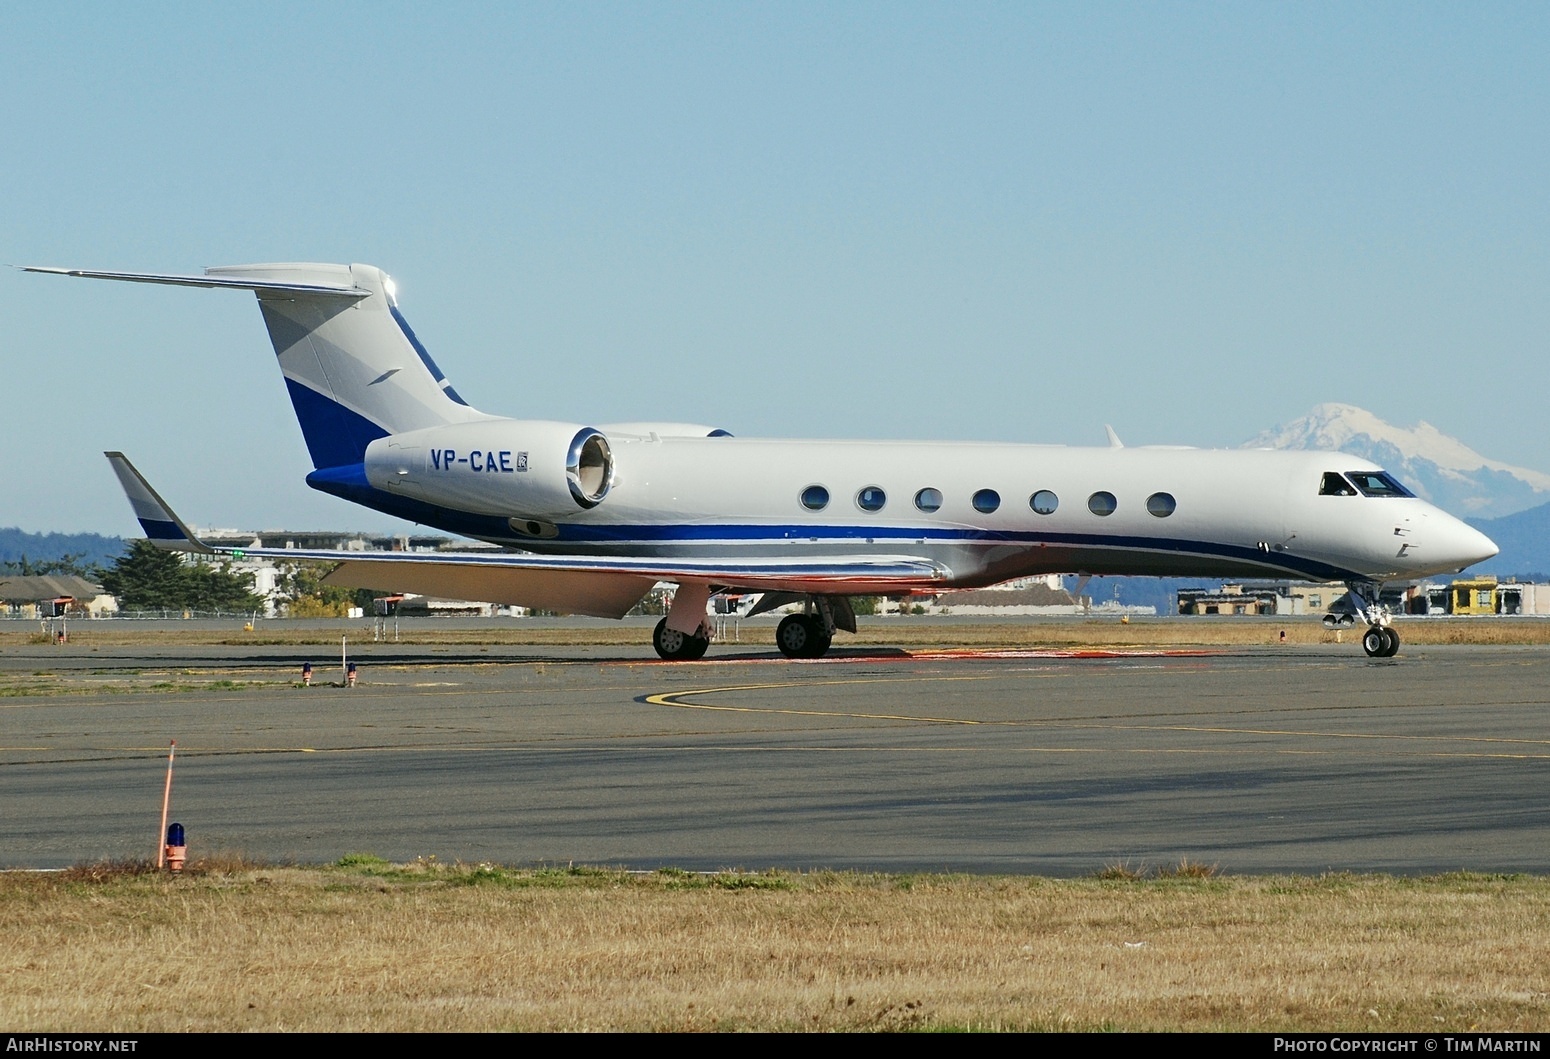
(1464, 545)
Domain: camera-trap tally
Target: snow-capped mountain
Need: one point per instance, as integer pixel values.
(1438, 467)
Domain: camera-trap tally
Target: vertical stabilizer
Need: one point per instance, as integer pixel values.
(354, 369)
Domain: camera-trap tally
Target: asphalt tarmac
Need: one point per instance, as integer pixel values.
(1291, 759)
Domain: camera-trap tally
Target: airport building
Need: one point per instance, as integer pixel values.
(1463, 596)
(53, 595)
(1283, 598)
(1485, 595)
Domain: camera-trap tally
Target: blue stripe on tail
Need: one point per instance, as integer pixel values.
(335, 435)
(425, 356)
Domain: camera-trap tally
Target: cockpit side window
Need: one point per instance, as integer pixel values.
(1377, 483)
(1334, 485)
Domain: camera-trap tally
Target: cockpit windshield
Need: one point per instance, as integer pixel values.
(1377, 483)
(1334, 485)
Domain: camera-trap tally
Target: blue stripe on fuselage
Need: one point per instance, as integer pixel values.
(349, 483)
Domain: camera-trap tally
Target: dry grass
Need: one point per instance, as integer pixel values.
(887, 632)
(365, 945)
(151, 682)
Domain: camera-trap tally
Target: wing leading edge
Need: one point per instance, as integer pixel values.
(604, 587)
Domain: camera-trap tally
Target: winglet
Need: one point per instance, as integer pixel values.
(162, 528)
(1114, 441)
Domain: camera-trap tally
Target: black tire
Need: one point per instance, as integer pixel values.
(1391, 642)
(674, 646)
(792, 636)
(1375, 642)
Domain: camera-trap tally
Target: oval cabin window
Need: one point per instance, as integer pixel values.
(929, 500)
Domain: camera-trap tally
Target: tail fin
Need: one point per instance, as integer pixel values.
(354, 369)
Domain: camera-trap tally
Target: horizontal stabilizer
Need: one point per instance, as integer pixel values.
(239, 278)
(162, 527)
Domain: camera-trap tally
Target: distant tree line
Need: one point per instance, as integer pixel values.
(65, 564)
(82, 552)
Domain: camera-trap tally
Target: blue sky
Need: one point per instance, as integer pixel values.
(1009, 222)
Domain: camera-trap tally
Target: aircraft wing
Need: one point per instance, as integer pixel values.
(601, 586)
(607, 587)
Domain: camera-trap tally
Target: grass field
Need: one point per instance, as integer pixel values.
(364, 945)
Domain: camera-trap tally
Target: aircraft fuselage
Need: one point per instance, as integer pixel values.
(987, 512)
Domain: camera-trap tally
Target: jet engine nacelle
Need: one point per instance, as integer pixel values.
(512, 467)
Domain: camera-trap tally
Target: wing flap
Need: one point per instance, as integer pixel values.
(599, 595)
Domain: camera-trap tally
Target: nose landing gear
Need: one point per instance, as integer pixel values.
(1380, 640)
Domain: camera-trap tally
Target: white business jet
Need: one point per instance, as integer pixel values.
(591, 518)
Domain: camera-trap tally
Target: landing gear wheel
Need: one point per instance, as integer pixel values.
(1380, 642)
(792, 635)
(801, 636)
(675, 646)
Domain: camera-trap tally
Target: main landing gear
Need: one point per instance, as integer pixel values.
(809, 634)
(805, 635)
(802, 636)
(679, 647)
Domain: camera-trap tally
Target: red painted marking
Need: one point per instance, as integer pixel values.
(1075, 652)
(956, 654)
